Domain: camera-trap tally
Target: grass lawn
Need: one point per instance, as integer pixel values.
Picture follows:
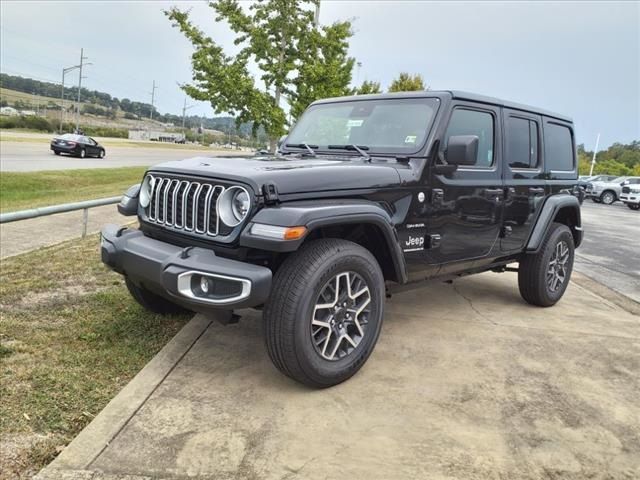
(66, 348)
(22, 190)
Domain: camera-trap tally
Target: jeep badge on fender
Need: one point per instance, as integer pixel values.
(364, 193)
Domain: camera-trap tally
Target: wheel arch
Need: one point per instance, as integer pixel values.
(563, 209)
(362, 222)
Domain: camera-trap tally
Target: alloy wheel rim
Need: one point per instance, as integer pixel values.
(607, 198)
(558, 266)
(341, 316)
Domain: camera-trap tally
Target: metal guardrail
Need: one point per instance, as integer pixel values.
(62, 208)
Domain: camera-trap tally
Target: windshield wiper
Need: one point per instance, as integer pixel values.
(360, 149)
(310, 148)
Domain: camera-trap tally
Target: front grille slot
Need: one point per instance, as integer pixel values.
(626, 189)
(184, 205)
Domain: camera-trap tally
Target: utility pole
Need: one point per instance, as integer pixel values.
(64, 73)
(316, 17)
(80, 77)
(184, 113)
(153, 96)
(595, 151)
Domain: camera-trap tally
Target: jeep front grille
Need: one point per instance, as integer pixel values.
(184, 205)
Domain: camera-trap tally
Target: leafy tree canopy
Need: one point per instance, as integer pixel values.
(296, 60)
(368, 87)
(407, 83)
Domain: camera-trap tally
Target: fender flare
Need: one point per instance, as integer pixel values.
(321, 213)
(548, 213)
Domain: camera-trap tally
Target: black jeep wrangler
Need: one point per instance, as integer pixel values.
(364, 193)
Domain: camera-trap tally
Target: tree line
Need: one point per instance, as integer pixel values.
(619, 159)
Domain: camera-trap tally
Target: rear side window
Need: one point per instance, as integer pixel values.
(474, 122)
(558, 147)
(522, 143)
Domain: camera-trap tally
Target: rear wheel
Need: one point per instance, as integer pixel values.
(544, 277)
(152, 302)
(634, 206)
(325, 313)
(608, 197)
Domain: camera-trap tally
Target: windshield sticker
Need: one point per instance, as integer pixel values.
(410, 139)
(355, 123)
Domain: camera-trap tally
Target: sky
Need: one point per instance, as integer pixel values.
(581, 59)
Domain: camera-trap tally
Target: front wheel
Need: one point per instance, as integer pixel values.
(608, 198)
(325, 312)
(56, 152)
(101, 154)
(544, 277)
(634, 206)
(83, 153)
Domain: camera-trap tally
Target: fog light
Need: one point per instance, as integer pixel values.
(204, 285)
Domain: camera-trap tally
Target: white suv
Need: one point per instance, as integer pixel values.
(630, 194)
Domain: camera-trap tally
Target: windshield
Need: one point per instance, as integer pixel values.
(619, 180)
(70, 136)
(380, 126)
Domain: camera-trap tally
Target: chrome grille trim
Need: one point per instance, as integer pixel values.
(184, 205)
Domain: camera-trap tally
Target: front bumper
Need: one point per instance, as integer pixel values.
(175, 273)
(632, 198)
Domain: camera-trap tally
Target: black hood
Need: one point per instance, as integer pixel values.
(291, 174)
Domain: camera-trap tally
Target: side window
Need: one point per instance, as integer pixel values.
(474, 122)
(522, 142)
(558, 148)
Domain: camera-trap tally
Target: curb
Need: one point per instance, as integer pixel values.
(606, 293)
(95, 438)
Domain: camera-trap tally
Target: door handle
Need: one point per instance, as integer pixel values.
(536, 190)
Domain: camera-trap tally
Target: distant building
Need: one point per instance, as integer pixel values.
(27, 113)
(155, 136)
(8, 111)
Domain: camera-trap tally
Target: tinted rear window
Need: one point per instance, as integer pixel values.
(558, 148)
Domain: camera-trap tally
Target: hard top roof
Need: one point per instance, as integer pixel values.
(453, 94)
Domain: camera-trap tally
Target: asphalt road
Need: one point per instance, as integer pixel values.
(30, 157)
(610, 253)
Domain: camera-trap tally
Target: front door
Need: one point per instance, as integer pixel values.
(523, 174)
(465, 208)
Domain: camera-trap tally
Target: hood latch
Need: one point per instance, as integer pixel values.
(270, 192)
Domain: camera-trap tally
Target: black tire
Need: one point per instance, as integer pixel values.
(634, 206)
(533, 270)
(101, 154)
(82, 153)
(288, 316)
(608, 197)
(152, 302)
(56, 152)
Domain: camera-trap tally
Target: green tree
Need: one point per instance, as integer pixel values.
(296, 60)
(407, 83)
(368, 87)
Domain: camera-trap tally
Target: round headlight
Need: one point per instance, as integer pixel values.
(145, 191)
(234, 205)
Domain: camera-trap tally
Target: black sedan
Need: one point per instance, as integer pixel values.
(78, 145)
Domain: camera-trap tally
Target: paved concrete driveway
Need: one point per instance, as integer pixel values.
(467, 382)
(29, 157)
(610, 252)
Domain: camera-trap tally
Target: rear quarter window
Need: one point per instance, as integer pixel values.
(558, 148)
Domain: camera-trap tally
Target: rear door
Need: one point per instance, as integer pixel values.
(523, 175)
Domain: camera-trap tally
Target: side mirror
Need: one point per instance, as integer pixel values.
(462, 150)
(281, 141)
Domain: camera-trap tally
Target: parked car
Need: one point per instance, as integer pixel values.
(402, 188)
(608, 192)
(630, 194)
(78, 145)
